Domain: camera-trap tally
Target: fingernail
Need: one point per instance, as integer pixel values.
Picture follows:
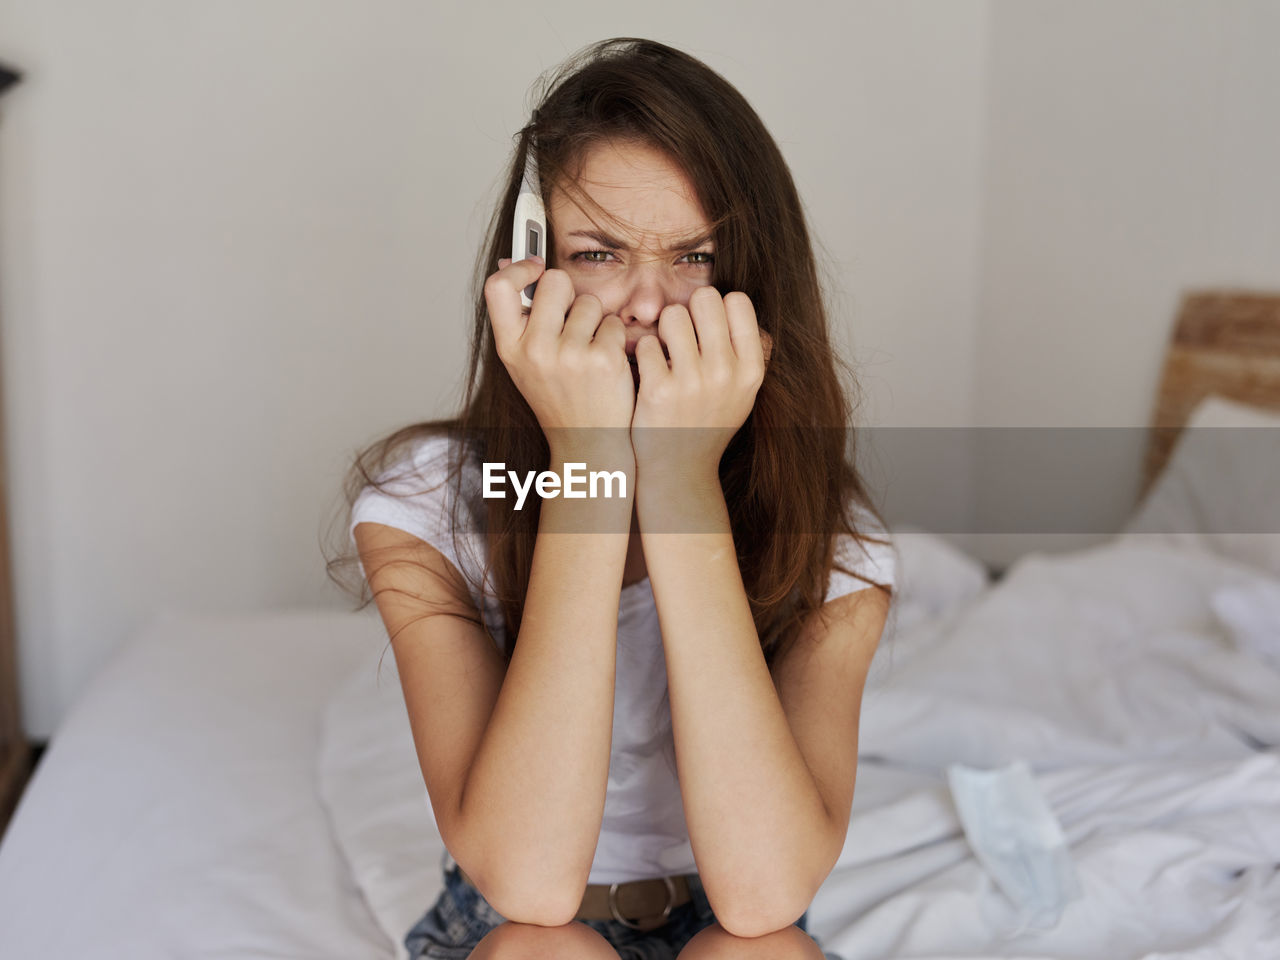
(536, 259)
(504, 262)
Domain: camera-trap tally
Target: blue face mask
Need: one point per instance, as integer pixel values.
(1017, 839)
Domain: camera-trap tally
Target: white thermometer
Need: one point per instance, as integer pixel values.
(529, 229)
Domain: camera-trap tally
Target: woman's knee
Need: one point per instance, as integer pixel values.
(717, 943)
(528, 941)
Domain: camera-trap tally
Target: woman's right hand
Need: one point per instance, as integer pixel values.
(566, 359)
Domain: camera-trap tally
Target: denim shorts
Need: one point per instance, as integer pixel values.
(461, 918)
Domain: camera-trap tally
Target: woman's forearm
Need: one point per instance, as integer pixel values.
(534, 798)
(757, 822)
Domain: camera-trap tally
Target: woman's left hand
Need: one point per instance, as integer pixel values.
(687, 411)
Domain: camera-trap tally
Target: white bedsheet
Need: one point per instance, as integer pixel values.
(175, 814)
(1153, 733)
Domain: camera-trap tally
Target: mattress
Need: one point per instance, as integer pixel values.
(175, 813)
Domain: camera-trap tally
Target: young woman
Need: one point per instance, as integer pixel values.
(636, 715)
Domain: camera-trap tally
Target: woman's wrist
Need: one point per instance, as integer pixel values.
(599, 449)
(679, 498)
(597, 486)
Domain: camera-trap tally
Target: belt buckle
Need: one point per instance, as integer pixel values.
(666, 911)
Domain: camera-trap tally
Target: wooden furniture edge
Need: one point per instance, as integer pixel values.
(1224, 342)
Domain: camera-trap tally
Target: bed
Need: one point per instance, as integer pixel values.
(246, 786)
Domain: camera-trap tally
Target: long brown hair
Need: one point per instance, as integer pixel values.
(787, 475)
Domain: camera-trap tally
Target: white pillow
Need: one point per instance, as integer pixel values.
(934, 577)
(371, 783)
(1219, 491)
(372, 787)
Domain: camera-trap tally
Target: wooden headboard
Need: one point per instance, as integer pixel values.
(1225, 342)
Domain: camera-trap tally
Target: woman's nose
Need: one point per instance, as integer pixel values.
(647, 290)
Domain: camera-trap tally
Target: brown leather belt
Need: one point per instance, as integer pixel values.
(640, 904)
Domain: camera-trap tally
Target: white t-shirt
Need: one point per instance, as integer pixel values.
(643, 833)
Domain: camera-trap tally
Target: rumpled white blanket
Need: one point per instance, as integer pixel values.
(1136, 680)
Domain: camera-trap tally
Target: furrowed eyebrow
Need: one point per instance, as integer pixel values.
(612, 243)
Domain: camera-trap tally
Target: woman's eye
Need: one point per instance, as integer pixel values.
(591, 256)
(706, 258)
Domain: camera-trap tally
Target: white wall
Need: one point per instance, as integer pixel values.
(1131, 154)
(234, 245)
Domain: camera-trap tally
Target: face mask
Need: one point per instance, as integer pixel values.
(1017, 839)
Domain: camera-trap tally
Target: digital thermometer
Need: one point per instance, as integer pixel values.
(529, 229)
